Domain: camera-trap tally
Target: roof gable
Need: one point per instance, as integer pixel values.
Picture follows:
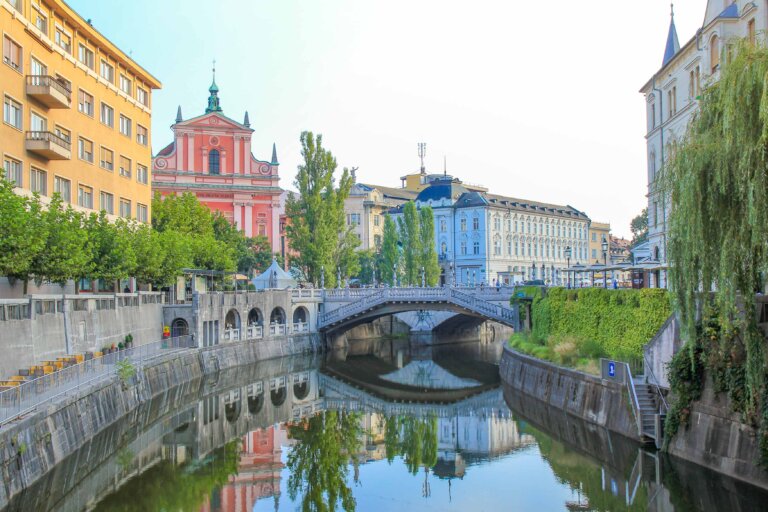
(213, 120)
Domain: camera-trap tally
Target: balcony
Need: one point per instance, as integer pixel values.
(48, 145)
(49, 91)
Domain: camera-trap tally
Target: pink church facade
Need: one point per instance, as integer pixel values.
(211, 157)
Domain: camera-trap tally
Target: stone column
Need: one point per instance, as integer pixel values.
(249, 220)
(238, 216)
(191, 152)
(223, 166)
(236, 156)
(180, 152)
(247, 157)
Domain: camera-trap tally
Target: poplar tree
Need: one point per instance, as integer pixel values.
(316, 228)
(428, 251)
(410, 236)
(390, 256)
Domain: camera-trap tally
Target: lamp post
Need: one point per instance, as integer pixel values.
(568, 260)
(605, 262)
(373, 279)
(322, 277)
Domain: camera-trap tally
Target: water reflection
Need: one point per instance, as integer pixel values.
(391, 429)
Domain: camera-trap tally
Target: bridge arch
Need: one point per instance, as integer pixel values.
(232, 405)
(255, 317)
(300, 315)
(277, 316)
(232, 320)
(179, 327)
(278, 396)
(255, 398)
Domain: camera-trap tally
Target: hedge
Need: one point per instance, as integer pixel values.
(619, 321)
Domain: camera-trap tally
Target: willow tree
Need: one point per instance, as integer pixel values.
(716, 180)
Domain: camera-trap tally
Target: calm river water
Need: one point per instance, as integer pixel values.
(389, 428)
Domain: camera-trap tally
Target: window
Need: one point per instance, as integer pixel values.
(142, 174)
(213, 161)
(463, 224)
(142, 136)
(63, 187)
(107, 202)
(443, 225)
(697, 76)
(672, 101)
(85, 149)
(107, 115)
(653, 115)
(37, 123)
(12, 112)
(37, 68)
(12, 54)
(107, 159)
(62, 133)
(497, 224)
(85, 196)
(85, 55)
(63, 40)
(141, 213)
(142, 96)
(497, 247)
(38, 181)
(377, 220)
(85, 103)
(263, 229)
(125, 126)
(125, 84)
(476, 248)
(594, 237)
(125, 167)
(17, 5)
(353, 219)
(594, 253)
(475, 223)
(714, 53)
(64, 82)
(125, 208)
(107, 71)
(377, 241)
(13, 170)
(41, 20)
(509, 247)
(463, 248)
(751, 31)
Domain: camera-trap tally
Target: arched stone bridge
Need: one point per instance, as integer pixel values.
(365, 305)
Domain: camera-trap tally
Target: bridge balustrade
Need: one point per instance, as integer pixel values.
(255, 332)
(232, 335)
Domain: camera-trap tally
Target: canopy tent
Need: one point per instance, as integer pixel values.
(274, 277)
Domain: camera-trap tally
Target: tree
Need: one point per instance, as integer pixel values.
(317, 230)
(428, 253)
(390, 255)
(410, 237)
(717, 181)
(639, 228)
(110, 247)
(22, 233)
(182, 213)
(65, 255)
(368, 264)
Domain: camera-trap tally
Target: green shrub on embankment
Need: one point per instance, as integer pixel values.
(571, 326)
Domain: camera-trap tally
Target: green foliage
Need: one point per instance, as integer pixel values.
(368, 263)
(111, 248)
(125, 370)
(66, 254)
(390, 256)
(410, 238)
(428, 259)
(639, 228)
(317, 229)
(415, 439)
(22, 235)
(319, 460)
(616, 323)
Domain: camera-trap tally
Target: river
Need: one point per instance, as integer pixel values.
(394, 427)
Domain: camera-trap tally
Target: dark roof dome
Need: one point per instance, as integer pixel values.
(441, 189)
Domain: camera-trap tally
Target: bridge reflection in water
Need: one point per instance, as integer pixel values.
(408, 430)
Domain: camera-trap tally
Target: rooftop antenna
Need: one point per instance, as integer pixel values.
(445, 166)
(422, 152)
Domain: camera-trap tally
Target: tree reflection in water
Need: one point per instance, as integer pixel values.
(318, 462)
(413, 438)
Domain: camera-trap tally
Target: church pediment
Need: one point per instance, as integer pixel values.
(213, 120)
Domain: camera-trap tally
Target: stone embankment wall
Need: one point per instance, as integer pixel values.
(590, 398)
(659, 351)
(33, 446)
(716, 438)
(40, 328)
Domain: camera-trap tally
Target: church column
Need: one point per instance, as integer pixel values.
(238, 216)
(236, 156)
(247, 157)
(191, 152)
(223, 167)
(180, 151)
(249, 220)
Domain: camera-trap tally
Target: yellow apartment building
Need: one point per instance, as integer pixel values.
(76, 111)
(599, 231)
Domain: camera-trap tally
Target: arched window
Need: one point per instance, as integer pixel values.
(213, 161)
(714, 52)
(652, 166)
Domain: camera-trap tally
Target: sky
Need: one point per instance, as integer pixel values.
(535, 100)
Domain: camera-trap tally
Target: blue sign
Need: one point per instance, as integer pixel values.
(611, 369)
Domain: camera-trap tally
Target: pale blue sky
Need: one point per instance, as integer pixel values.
(537, 100)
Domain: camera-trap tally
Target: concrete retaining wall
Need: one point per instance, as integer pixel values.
(660, 350)
(716, 438)
(87, 327)
(585, 396)
(31, 447)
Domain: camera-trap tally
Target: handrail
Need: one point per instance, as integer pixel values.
(47, 80)
(655, 383)
(49, 137)
(633, 395)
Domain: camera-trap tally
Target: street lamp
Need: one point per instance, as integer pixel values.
(605, 261)
(568, 260)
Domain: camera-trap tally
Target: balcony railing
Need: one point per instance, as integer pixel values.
(48, 145)
(49, 91)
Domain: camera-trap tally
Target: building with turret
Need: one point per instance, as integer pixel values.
(672, 95)
(210, 156)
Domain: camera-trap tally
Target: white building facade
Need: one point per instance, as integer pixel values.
(672, 96)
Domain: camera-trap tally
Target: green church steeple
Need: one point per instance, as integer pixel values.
(213, 99)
